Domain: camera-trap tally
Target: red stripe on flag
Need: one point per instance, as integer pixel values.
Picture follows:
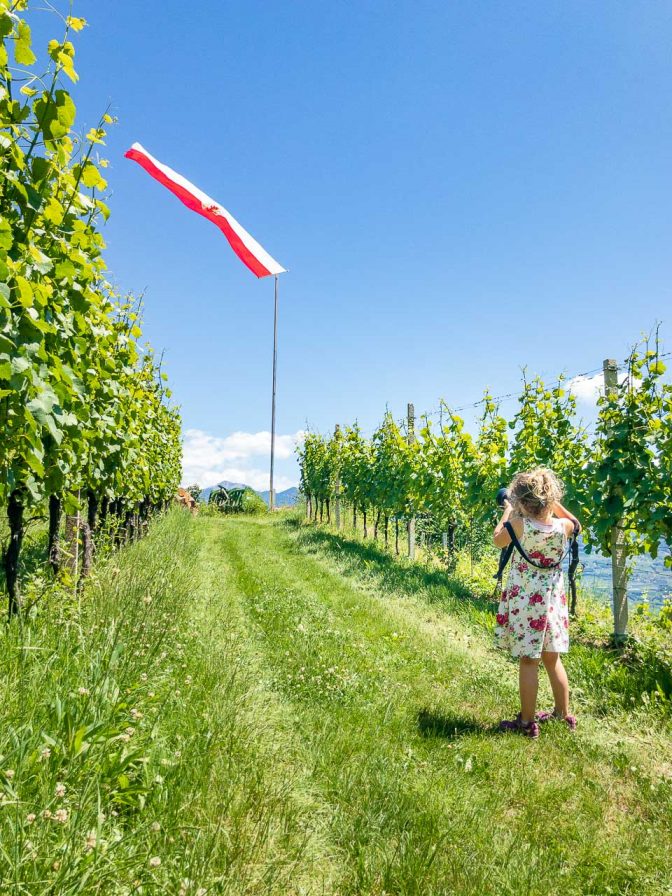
(196, 205)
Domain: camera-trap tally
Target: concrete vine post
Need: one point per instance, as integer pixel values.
(411, 522)
(337, 486)
(619, 576)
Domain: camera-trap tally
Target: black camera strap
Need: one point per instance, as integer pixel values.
(572, 549)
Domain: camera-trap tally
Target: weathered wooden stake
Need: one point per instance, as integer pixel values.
(619, 573)
(411, 522)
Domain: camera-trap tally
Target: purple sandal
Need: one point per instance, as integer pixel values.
(570, 721)
(527, 729)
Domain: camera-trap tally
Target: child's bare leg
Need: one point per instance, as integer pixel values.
(528, 680)
(559, 683)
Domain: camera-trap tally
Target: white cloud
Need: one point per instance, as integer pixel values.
(207, 459)
(588, 389)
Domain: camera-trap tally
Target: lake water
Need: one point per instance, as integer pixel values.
(650, 578)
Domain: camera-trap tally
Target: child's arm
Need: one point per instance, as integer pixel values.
(500, 536)
(563, 513)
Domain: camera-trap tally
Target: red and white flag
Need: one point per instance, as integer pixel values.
(245, 246)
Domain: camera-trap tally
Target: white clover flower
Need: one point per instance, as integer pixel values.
(46, 814)
(60, 790)
(30, 818)
(9, 773)
(155, 826)
(154, 862)
(91, 841)
(61, 816)
(45, 754)
(83, 692)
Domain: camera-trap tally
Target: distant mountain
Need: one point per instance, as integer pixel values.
(283, 499)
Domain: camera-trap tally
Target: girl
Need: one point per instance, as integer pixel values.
(533, 621)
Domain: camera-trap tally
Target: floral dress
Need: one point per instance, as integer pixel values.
(533, 612)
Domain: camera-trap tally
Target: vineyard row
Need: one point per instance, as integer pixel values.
(617, 475)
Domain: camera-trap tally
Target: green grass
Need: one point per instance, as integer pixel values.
(322, 720)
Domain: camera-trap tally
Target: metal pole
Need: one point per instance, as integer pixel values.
(271, 496)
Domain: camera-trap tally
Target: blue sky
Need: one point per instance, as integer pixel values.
(457, 189)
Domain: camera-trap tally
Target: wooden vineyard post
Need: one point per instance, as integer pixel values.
(71, 545)
(337, 486)
(411, 522)
(619, 577)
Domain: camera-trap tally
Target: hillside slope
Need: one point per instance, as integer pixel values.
(249, 706)
(387, 696)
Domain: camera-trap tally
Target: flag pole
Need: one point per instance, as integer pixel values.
(271, 496)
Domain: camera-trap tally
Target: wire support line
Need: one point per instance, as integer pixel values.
(563, 379)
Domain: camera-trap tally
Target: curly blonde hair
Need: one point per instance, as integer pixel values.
(536, 491)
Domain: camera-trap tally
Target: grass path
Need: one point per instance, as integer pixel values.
(369, 710)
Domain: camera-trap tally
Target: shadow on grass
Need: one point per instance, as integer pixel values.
(614, 678)
(431, 724)
(391, 574)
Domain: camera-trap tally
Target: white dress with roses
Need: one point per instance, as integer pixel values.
(533, 614)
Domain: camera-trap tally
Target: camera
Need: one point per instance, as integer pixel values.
(502, 496)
